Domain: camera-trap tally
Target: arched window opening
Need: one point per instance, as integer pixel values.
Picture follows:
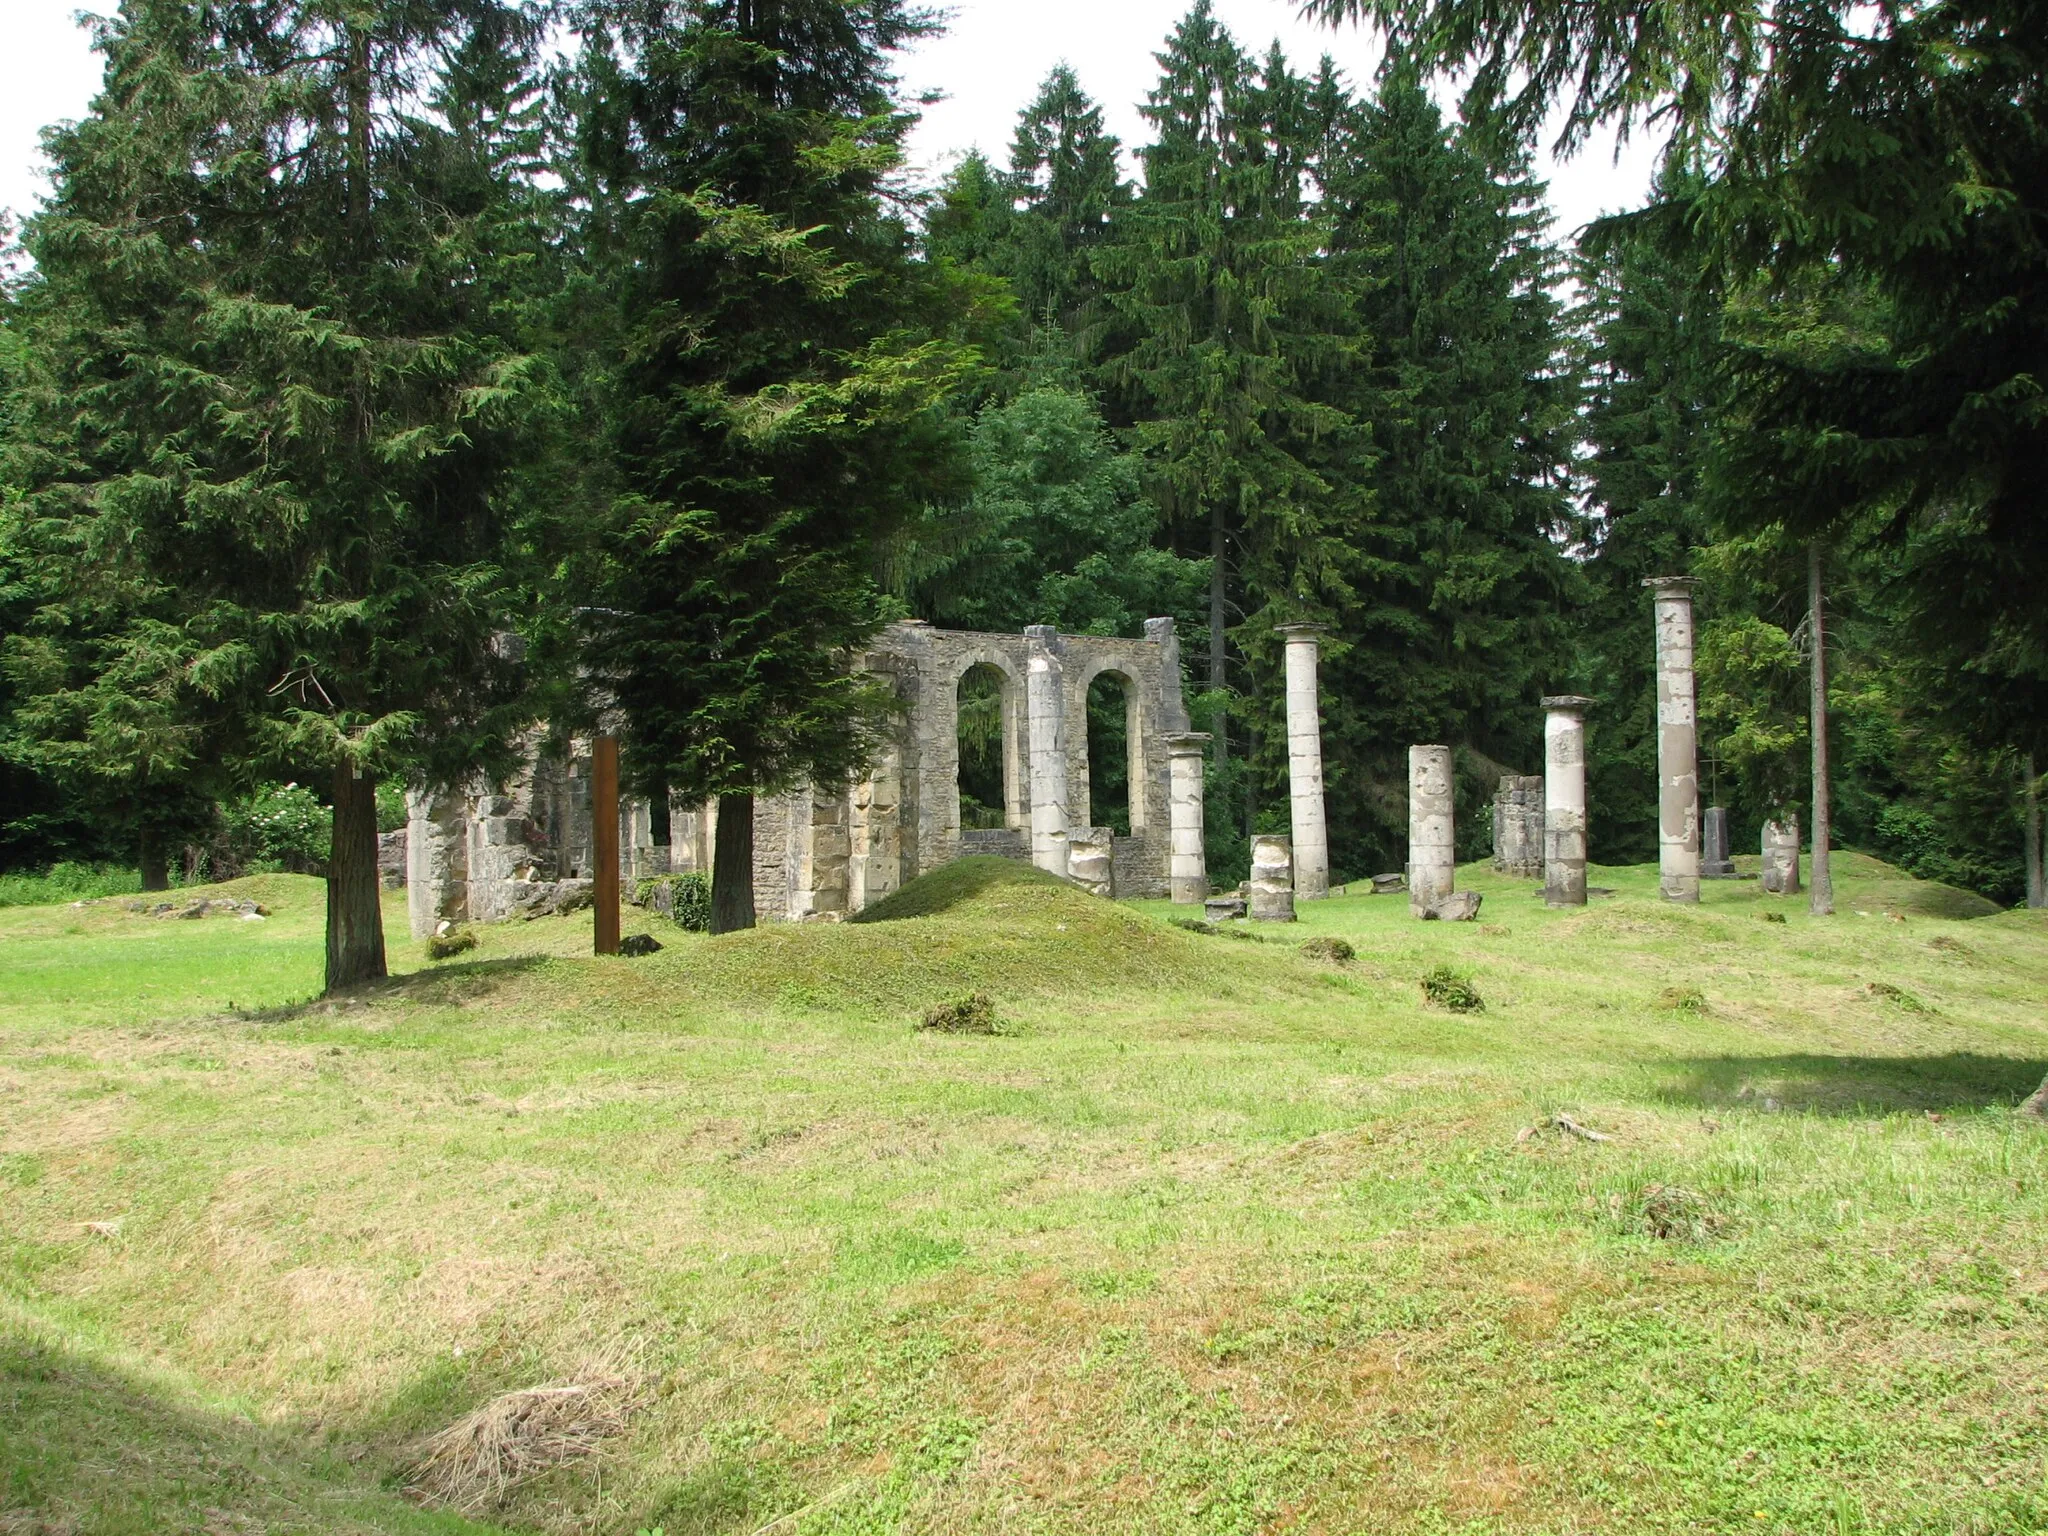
(1110, 725)
(981, 749)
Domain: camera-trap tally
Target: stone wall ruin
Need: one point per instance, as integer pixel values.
(827, 851)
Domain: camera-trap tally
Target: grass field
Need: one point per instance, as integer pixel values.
(1213, 1238)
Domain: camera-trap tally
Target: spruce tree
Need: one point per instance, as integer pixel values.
(1067, 185)
(271, 413)
(1458, 585)
(1215, 317)
(770, 398)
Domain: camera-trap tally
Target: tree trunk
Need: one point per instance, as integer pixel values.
(732, 865)
(1219, 661)
(2037, 1105)
(156, 864)
(2037, 879)
(357, 90)
(1822, 903)
(355, 913)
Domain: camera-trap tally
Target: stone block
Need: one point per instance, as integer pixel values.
(1222, 909)
(1272, 883)
(1458, 907)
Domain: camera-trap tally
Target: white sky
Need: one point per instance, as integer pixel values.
(989, 64)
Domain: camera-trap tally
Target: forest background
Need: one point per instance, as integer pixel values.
(352, 342)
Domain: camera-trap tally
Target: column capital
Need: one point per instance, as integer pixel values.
(1568, 703)
(1300, 632)
(1186, 741)
(1669, 586)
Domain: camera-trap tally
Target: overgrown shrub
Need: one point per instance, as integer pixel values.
(1329, 947)
(282, 824)
(67, 882)
(974, 1014)
(684, 898)
(1683, 1000)
(445, 946)
(1448, 989)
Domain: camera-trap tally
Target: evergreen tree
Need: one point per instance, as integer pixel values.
(271, 411)
(1650, 324)
(1458, 584)
(1216, 317)
(771, 400)
(1067, 185)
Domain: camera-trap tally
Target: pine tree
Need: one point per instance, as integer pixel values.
(1650, 325)
(1067, 184)
(271, 411)
(1454, 560)
(1215, 317)
(771, 403)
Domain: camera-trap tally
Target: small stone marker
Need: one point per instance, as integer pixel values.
(1221, 909)
(1272, 882)
(1781, 857)
(1715, 864)
(1389, 885)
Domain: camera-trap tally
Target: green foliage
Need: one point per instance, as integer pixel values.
(446, 946)
(283, 824)
(764, 378)
(972, 1013)
(66, 882)
(1452, 989)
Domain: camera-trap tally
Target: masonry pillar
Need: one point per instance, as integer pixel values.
(1044, 707)
(1305, 764)
(1187, 874)
(1272, 893)
(1564, 800)
(1780, 875)
(1432, 838)
(1678, 776)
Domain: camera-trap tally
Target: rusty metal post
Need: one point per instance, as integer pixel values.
(604, 840)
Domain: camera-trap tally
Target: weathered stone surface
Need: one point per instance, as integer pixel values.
(1222, 909)
(391, 859)
(822, 852)
(1781, 857)
(1432, 838)
(1564, 800)
(1272, 882)
(1678, 779)
(1518, 826)
(1715, 862)
(1311, 837)
(1389, 885)
(1091, 858)
(1458, 907)
(1188, 866)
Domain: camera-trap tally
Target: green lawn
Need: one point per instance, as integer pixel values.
(1214, 1238)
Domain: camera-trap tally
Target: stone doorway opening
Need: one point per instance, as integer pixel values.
(985, 749)
(1115, 755)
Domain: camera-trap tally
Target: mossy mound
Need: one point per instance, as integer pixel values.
(979, 882)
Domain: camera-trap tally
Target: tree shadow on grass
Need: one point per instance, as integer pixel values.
(89, 1447)
(447, 983)
(1855, 1085)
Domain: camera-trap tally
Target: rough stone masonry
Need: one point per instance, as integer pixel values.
(829, 850)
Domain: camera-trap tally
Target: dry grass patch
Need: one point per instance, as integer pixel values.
(477, 1462)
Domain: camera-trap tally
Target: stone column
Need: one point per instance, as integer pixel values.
(1564, 800)
(1678, 775)
(1432, 854)
(1305, 764)
(1187, 873)
(1091, 860)
(1044, 705)
(1715, 864)
(1272, 899)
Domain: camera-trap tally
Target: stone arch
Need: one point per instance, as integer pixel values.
(1016, 803)
(1138, 724)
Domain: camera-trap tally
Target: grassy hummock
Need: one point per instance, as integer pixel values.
(1704, 1224)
